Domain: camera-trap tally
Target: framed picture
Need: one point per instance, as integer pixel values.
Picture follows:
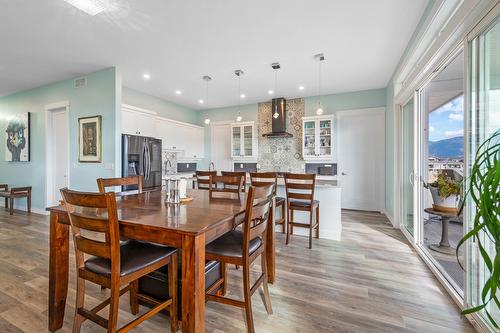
(17, 135)
(89, 140)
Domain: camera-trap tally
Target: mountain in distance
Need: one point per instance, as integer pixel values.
(447, 148)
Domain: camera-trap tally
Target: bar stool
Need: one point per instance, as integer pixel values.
(266, 178)
(300, 196)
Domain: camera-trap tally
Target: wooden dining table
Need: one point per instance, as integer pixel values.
(147, 217)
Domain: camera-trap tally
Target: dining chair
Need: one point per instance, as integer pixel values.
(266, 178)
(203, 178)
(300, 196)
(107, 262)
(237, 174)
(225, 184)
(103, 183)
(242, 248)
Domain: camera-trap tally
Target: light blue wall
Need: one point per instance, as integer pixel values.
(99, 97)
(331, 104)
(389, 120)
(164, 108)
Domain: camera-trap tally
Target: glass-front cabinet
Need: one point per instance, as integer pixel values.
(243, 140)
(317, 137)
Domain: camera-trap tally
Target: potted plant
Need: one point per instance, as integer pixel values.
(446, 193)
(483, 189)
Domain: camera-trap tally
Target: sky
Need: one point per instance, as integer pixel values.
(447, 121)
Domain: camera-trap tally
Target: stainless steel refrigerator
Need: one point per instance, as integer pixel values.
(142, 156)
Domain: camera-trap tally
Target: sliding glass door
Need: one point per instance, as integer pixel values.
(408, 120)
(483, 121)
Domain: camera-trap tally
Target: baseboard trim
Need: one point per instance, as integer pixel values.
(389, 216)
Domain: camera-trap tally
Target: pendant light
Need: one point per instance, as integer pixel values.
(320, 58)
(239, 73)
(276, 66)
(207, 79)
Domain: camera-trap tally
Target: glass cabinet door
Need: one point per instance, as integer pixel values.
(236, 141)
(247, 140)
(325, 137)
(309, 138)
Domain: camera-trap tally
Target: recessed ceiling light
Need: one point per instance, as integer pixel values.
(178, 92)
(201, 101)
(146, 76)
(301, 87)
(270, 92)
(243, 96)
(91, 7)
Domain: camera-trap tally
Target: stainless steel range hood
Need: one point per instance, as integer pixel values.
(278, 123)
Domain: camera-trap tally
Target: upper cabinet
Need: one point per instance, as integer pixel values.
(317, 138)
(243, 141)
(138, 123)
(186, 139)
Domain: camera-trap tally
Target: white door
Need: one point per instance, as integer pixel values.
(221, 147)
(58, 153)
(361, 158)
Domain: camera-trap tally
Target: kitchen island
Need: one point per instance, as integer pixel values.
(328, 193)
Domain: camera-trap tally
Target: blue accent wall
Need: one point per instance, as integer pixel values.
(163, 107)
(99, 97)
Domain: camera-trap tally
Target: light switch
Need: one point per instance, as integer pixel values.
(109, 166)
(187, 166)
(241, 165)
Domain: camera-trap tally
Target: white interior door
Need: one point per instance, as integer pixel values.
(60, 144)
(361, 158)
(221, 147)
(57, 154)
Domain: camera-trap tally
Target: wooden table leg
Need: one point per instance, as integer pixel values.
(58, 271)
(193, 283)
(270, 254)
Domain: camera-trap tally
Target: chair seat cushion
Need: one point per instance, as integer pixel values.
(231, 245)
(134, 255)
(280, 201)
(303, 204)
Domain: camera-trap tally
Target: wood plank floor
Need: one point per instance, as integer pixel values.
(371, 281)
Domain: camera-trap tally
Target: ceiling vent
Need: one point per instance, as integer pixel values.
(81, 82)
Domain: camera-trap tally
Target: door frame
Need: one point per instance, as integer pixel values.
(345, 113)
(49, 181)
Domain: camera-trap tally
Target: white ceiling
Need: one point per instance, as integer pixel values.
(179, 41)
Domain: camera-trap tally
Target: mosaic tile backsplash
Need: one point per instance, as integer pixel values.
(281, 154)
(169, 156)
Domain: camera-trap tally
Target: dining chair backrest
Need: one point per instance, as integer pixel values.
(264, 179)
(103, 183)
(258, 205)
(238, 174)
(94, 214)
(203, 178)
(300, 187)
(225, 184)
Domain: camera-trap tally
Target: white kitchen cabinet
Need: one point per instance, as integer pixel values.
(317, 138)
(187, 139)
(243, 141)
(138, 123)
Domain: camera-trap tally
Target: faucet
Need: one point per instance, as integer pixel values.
(212, 164)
